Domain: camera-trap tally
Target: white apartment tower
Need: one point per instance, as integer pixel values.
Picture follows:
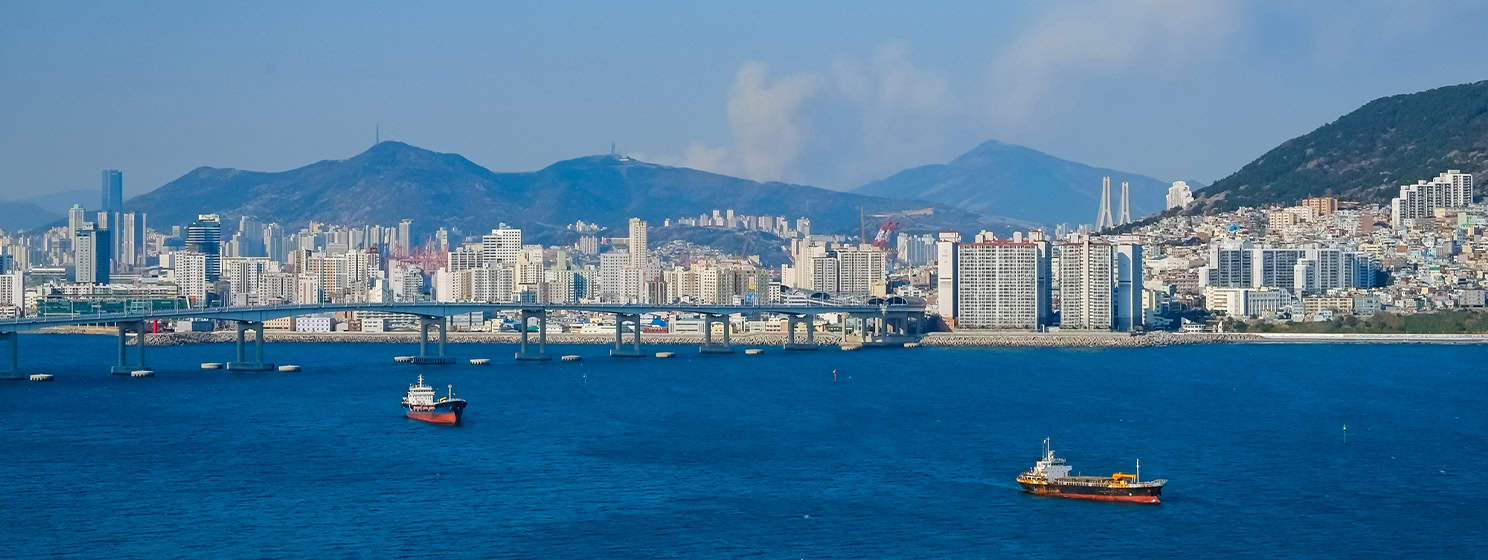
(501, 245)
(639, 255)
(1085, 284)
(1453, 189)
(946, 269)
(999, 285)
(1179, 195)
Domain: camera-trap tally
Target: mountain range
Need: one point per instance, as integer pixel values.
(393, 180)
(1010, 180)
(1366, 154)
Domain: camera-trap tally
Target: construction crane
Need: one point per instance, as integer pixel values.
(885, 233)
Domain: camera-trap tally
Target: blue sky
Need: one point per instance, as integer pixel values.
(830, 94)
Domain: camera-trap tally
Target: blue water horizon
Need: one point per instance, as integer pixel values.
(909, 453)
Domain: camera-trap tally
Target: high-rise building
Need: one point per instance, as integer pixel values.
(1128, 299)
(501, 245)
(12, 293)
(1453, 189)
(999, 285)
(274, 245)
(204, 237)
(405, 238)
(862, 271)
(1085, 284)
(946, 268)
(75, 218)
(113, 191)
(90, 255)
(1179, 195)
(640, 256)
(131, 241)
(464, 258)
(803, 227)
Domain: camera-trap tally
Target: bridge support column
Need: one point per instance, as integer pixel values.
(123, 367)
(634, 349)
(709, 347)
(10, 368)
(244, 361)
(525, 353)
(790, 332)
(438, 358)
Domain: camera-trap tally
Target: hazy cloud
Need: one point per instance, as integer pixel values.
(768, 128)
(1073, 42)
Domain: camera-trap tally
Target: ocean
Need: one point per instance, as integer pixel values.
(909, 453)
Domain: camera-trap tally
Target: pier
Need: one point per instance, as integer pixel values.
(878, 324)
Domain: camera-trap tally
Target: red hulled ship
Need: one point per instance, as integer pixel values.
(422, 405)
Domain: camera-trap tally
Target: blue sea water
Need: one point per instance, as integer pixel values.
(910, 453)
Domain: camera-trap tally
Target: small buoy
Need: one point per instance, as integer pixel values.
(572, 358)
(289, 368)
(664, 354)
(40, 377)
(142, 373)
(211, 365)
(754, 351)
(479, 361)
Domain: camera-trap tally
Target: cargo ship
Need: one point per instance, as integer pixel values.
(1050, 477)
(422, 406)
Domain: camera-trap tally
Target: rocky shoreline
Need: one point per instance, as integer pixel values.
(1078, 340)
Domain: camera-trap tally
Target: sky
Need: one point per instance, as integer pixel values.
(820, 93)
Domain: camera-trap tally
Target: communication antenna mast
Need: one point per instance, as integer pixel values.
(377, 136)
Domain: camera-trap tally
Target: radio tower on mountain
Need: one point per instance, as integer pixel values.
(1104, 220)
(1125, 217)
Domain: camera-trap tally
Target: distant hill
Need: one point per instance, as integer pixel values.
(1010, 180)
(1367, 154)
(58, 203)
(393, 180)
(24, 215)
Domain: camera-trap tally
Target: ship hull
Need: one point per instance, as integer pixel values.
(446, 413)
(1131, 495)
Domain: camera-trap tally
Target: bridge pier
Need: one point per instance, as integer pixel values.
(709, 347)
(123, 367)
(790, 332)
(12, 371)
(424, 357)
(245, 362)
(524, 354)
(620, 350)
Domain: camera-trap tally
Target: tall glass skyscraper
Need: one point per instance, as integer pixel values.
(113, 191)
(204, 236)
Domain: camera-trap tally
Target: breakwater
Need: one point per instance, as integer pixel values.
(1078, 340)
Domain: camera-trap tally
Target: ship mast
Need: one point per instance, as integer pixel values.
(1139, 471)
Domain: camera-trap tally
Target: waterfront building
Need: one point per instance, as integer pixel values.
(1245, 302)
(1128, 297)
(946, 270)
(1085, 284)
(999, 285)
(12, 294)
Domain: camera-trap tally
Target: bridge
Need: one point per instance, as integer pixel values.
(878, 318)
